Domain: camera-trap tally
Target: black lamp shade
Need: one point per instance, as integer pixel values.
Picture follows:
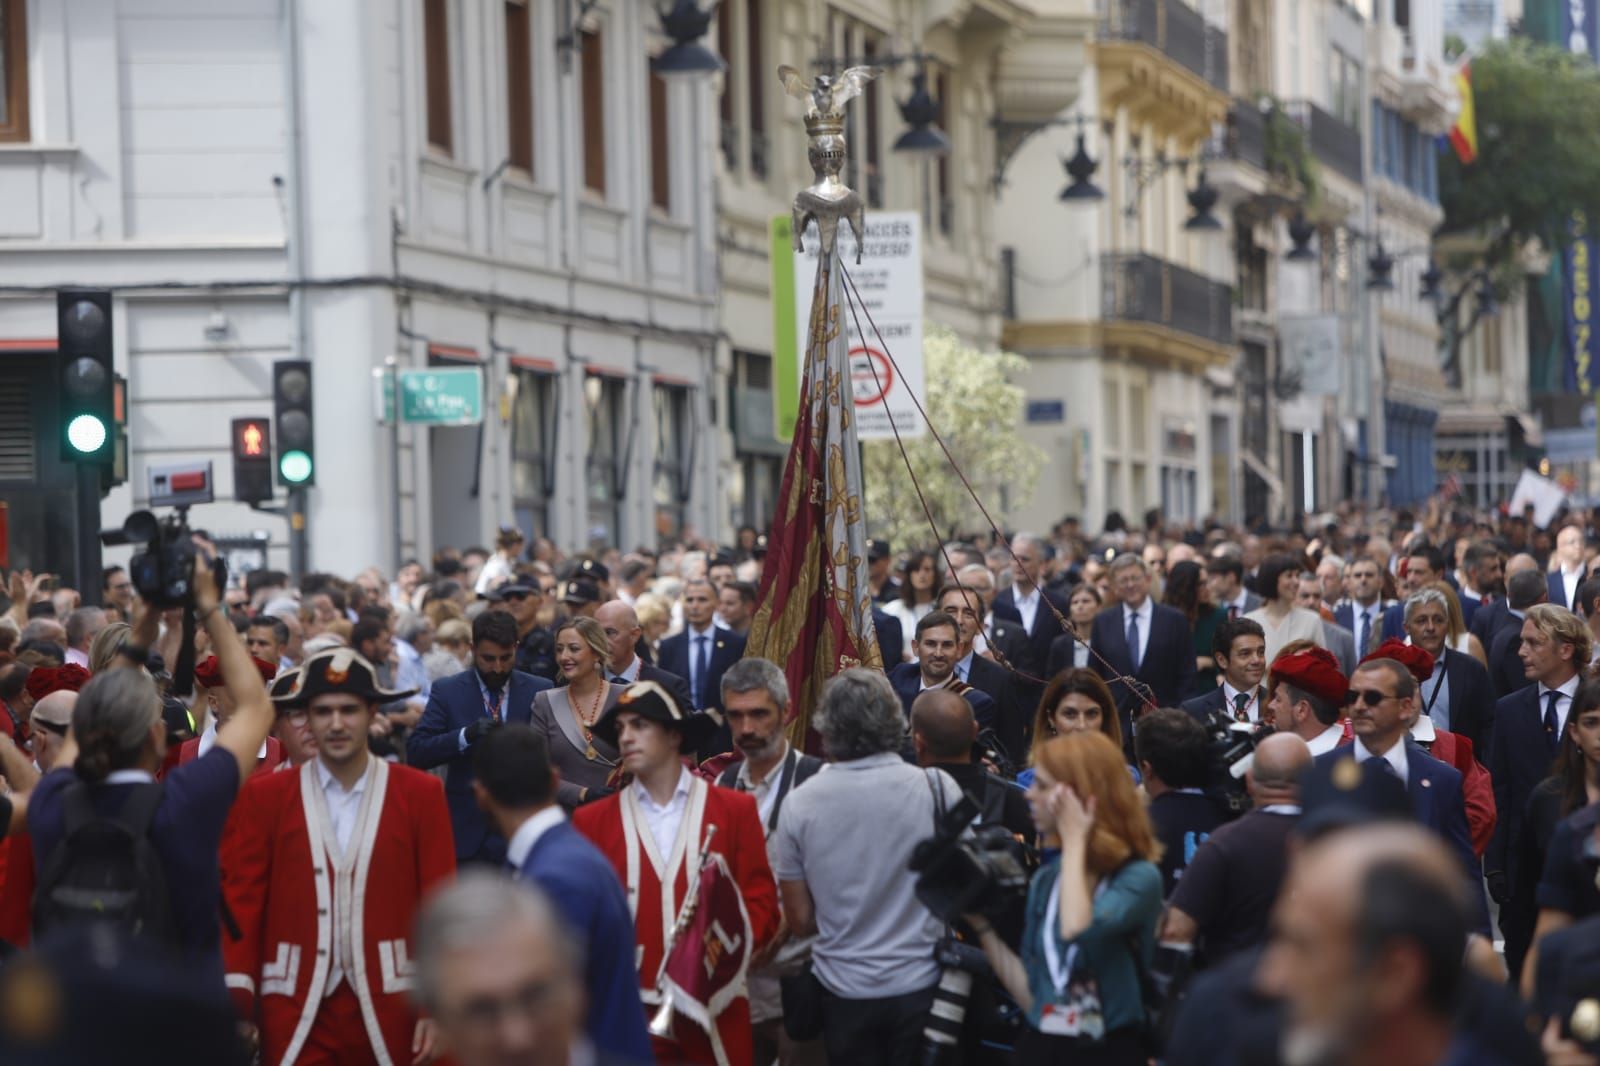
(1380, 270)
(1432, 279)
(1081, 168)
(1301, 232)
(1202, 198)
(685, 23)
(921, 113)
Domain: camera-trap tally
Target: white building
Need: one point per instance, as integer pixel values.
(436, 182)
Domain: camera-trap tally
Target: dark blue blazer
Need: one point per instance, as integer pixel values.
(1488, 622)
(1471, 700)
(1046, 627)
(455, 703)
(1167, 668)
(727, 648)
(1506, 672)
(1438, 803)
(1203, 707)
(1013, 714)
(907, 681)
(1558, 589)
(1394, 622)
(1520, 756)
(582, 885)
(891, 638)
(1469, 607)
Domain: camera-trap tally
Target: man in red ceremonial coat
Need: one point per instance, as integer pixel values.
(208, 678)
(654, 831)
(324, 870)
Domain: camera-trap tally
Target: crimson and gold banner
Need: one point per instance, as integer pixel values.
(814, 617)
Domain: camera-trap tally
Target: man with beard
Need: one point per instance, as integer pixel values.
(755, 701)
(939, 647)
(1366, 952)
(1482, 572)
(461, 710)
(987, 676)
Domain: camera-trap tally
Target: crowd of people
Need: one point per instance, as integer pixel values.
(1329, 796)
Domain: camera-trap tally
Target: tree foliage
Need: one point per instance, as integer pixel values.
(974, 403)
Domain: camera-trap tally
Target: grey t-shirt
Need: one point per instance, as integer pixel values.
(849, 835)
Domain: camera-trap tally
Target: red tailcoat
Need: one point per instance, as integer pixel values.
(1476, 788)
(292, 899)
(742, 843)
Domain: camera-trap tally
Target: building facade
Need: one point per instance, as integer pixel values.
(371, 185)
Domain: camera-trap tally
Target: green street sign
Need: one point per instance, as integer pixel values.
(438, 397)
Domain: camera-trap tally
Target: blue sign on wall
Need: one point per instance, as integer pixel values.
(1047, 411)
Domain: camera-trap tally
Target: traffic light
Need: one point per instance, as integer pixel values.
(291, 416)
(252, 460)
(88, 377)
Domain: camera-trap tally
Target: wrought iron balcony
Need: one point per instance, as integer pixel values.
(1244, 138)
(1142, 288)
(1335, 142)
(1173, 28)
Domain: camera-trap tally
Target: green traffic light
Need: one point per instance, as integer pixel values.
(87, 435)
(295, 466)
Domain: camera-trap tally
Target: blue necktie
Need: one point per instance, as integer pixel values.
(702, 663)
(1552, 735)
(1362, 633)
(1133, 640)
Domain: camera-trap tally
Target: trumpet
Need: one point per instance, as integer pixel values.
(661, 1021)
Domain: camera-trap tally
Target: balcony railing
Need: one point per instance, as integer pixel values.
(1335, 142)
(1173, 28)
(1244, 138)
(1142, 288)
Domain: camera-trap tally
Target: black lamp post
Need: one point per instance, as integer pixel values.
(1301, 230)
(685, 23)
(1202, 198)
(1380, 270)
(921, 113)
(1080, 168)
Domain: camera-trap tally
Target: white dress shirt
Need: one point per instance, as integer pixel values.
(765, 791)
(1395, 757)
(1570, 580)
(1027, 608)
(208, 740)
(664, 821)
(1252, 709)
(709, 633)
(629, 675)
(81, 658)
(1144, 612)
(528, 834)
(1563, 702)
(343, 808)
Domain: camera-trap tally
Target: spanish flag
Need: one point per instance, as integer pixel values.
(1464, 134)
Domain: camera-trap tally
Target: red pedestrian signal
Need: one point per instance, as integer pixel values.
(252, 460)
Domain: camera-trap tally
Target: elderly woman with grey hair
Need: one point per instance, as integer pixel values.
(843, 846)
(1459, 696)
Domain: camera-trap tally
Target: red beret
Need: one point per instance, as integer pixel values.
(1314, 671)
(43, 680)
(209, 672)
(1413, 658)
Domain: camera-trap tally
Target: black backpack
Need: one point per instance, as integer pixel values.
(106, 869)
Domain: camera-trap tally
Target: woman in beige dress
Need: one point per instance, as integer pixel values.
(566, 715)
(1277, 581)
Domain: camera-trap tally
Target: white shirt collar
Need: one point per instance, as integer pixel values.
(709, 630)
(680, 789)
(743, 776)
(964, 665)
(1229, 692)
(1326, 740)
(529, 832)
(327, 780)
(1395, 757)
(1568, 690)
(208, 740)
(1143, 610)
(129, 777)
(1031, 597)
(631, 674)
(1239, 602)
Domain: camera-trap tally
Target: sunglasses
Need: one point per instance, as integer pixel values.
(1371, 697)
(515, 597)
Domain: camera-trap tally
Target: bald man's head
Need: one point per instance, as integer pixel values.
(615, 611)
(1368, 936)
(942, 727)
(1279, 760)
(1520, 562)
(621, 624)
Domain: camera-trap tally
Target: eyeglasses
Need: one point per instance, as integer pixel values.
(1370, 696)
(514, 597)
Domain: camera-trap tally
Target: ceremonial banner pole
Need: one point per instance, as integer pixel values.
(814, 615)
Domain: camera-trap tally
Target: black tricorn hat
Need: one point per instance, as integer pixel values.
(284, 691)
(649, 700)
(342, 670)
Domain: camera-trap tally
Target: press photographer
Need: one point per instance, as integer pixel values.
(1091, 912)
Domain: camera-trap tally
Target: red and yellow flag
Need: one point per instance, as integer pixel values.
(1464, 134)
(814, 615)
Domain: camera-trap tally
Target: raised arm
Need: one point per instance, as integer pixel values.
(253, 715)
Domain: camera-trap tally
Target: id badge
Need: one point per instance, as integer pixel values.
(1079, 1014)
(1059, 1019)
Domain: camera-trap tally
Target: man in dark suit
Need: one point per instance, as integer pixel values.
(1458, 696)
(1363, 612)
(1225, 580)
(461, 710)
(1144, 640)
(701, 654)
(938, 647)
(891, 638)
(1483, 573)
(623, 633)
(1570, 570)
(1239, 647)
(1038, 612)
(1383, 704)
(1525, 590)
(516, 789)
(1012, 714)
(1528, 724)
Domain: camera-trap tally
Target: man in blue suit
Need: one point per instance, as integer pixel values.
(1143, 640)
(1383, 705)
(1528, 725)
(516, 788)
(1365, 611)
(1570, 571)
(700, 655)
(461, 710)
(939, 646)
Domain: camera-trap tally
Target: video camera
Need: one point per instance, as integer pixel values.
(163, 573)
(1229, 749)
(959, 874)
